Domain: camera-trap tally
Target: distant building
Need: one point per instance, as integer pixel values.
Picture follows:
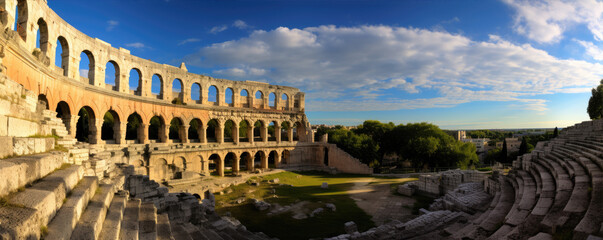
(512, 144)
(460, 135)
(481, 144)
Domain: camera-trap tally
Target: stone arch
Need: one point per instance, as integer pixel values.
(63, 57)
(272, 128)
(43, 102)
(245, 162)
(286, 131)
(89, 73)
(245, 98)
(178, 167)
(215, 164)
(160, 169)
(177, 130)
(259, 99)
(64, 113)
(260, 160)
(299, 132)
(22, 15)
(195, 130)
(230, 131)
(135, 82)
(86, 129)
(135, 128)
(285, 101)
(229, 97)
(285, 157)
(157, 86)
(231, 163)
(213, 95)
(110, 129)
(272, 100)
(43, 36)
(273, 159)
(196, 93)
(213, 131)
(139, 167)
(245, 131)
(177, 91)
(115, 72)
(259, 131)
(157, 129)
(198, 165)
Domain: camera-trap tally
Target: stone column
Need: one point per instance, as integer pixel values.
(249, 163)
(277, 133)
(183, 133)
(220, 133)
(143, 133)
(290, 134)
(163, 133)
(250, 133)
(72, 126)
(264, 133)
(119, 131)
(235, 166)
(221, 168)
(235, 133)
(264, 161)
(277, 159)
(95, 126)
(201, 132)
(236, 96)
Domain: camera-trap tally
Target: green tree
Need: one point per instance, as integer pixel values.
(556, 132)
(523, 147)
(503, 152)
(595, 103)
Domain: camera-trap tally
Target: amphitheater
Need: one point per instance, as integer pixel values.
(68, 173)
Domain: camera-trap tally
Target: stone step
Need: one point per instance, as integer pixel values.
(178, 232)
(66, 220)
(147, 222)
(130, 226)
(112, 224)
(20, 171)
(164, 230)
(527, 201)
(503, 206)
(91, 222)
(579, 198)
(18, 222)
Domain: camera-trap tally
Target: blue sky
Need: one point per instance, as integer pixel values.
(458, 64)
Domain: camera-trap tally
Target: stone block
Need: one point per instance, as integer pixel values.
(6, 146)
(3, 125)
(23, 146)
(21, 128)
(350, 227)
(43, 201)
(13, 176)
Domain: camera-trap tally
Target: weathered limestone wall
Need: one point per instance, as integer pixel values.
(344, 162)
(18, 116)
(441, 183)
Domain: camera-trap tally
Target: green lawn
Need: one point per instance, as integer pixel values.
(304, 187)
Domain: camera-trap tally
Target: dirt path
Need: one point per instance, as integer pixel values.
(375, 198)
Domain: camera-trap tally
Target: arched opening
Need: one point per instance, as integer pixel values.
(43, 102)
(42, 36)
(285, 128)
(258, 131)
(87, 67)
(272, 131)
(299, 132)
(135, 82)
(178, 167)
(112, 76)
(230, 131)
(139, 168)
(176, 133)
(229, 97)
(198, 164)
(61, 59)
(285, 100)
(157, 86)
(21, 19)
(230, 164)
(260, 161)
(212, 132)
(245, 162)
(177, 97)
(64, 113)
(272, 100)
(212, 95)
(244, 131)
(157, 129)
(259, 99)
(134, 128)
(196, 92)
(110, 127)
(244, 99)
(285, 157)
(161, 170)
(85, 128)
(272, 159)
(194, 130)
(214, 165)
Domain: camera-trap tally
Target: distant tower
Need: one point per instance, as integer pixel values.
(460, 135)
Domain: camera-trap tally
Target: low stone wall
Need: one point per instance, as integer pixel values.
(18, 117)
(344, 162)
(441, 183)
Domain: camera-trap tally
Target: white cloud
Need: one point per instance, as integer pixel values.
(240, 24)
(189, 40)
(359, 63)
(111, 24)
(545, 21)
(218, 29)
(592, 50)
(136, 45)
